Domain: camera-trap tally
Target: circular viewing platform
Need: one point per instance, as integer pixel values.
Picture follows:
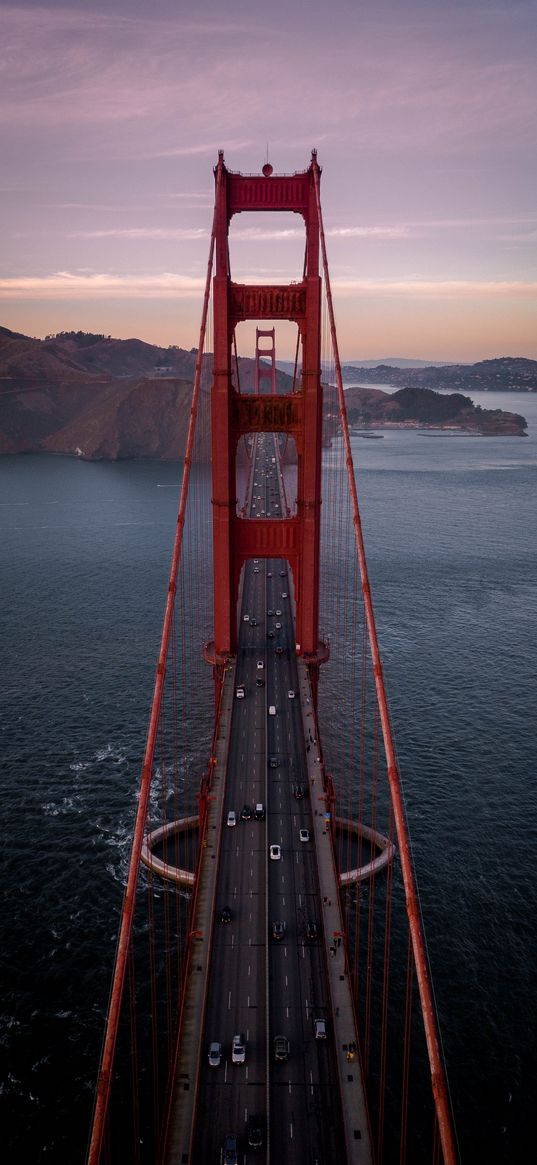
(184, 877)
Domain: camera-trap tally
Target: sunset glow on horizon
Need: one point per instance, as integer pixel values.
(423, 117)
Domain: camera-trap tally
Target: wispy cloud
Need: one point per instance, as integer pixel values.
(80, 285)
(158, 88)
(245, 235)
(436, 289)
(154, 233)
(69, 285)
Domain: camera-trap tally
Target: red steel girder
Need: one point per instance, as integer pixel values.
(299, 415)
(262, 301)
(269, 414)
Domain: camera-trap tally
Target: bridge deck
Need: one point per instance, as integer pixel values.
(241, 979)
(192, 1021)
(342, 1012)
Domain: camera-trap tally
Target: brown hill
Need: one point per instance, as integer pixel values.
(145, 418)
(97, 397)
(423, 408)
(505, 374)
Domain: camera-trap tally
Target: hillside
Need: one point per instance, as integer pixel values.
(93, 396)
(506, 374)
(424, 408)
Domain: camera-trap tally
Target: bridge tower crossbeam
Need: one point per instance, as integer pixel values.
(297, 414)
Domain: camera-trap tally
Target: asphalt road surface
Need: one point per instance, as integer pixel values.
(261, 986)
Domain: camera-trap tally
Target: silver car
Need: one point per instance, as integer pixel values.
(215, 1054)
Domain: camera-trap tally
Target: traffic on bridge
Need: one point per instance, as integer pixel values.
(271, 997)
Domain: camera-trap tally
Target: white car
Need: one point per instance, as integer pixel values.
(238, 1050)
(304, 834)
(278, 612)
(240, 693)
(232, 817)
(246, 618)
(284, 594)
(275, 852)
(260, 665)
(291, 694)
(278, 626)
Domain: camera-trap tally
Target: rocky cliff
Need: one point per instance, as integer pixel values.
(95, 397)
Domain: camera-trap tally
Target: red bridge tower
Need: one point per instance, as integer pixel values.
(297, 414)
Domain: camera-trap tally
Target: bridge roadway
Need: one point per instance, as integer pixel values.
(301, 1098)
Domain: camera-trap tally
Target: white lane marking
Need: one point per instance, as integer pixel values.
(287, 1012)
(249, 969)
(232, 941)
(289, 1091)
(229, 1001)
(286, 983)
(283, 901)
(225, 1072)
(246, 1071)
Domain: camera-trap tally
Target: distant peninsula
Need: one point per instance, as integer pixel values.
(422, 408)
(98, 398)
(506, 374)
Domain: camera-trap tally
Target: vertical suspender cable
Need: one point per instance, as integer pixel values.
(104, 1079)
(438, 1076)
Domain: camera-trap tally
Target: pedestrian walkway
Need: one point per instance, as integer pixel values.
(178, 1147)
(343, 1022)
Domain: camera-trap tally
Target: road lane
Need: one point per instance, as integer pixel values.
(305, 1118)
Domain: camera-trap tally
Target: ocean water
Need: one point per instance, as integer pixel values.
(451, 537)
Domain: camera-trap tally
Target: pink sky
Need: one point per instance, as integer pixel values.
(423, 115)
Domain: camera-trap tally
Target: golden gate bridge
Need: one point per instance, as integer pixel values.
(271, 996)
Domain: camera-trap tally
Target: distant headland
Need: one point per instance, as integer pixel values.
(422, 408)
(95, 397)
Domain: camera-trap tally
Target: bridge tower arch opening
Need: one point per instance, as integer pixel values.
(297, 414)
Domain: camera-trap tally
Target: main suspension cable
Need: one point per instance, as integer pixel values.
(438, 1076)
(104, 1080)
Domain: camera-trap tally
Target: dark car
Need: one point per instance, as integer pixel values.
(278, 930)
(260, 683)
(273, 762)
(298, 792)
(271, 612)
(256, 1131)
(278, 650)
(259, 812)
(225, 914)
(230, 1151)
(253, 622)
(281, 1048)
(246, 813)
(270, 634)
(312, 932)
